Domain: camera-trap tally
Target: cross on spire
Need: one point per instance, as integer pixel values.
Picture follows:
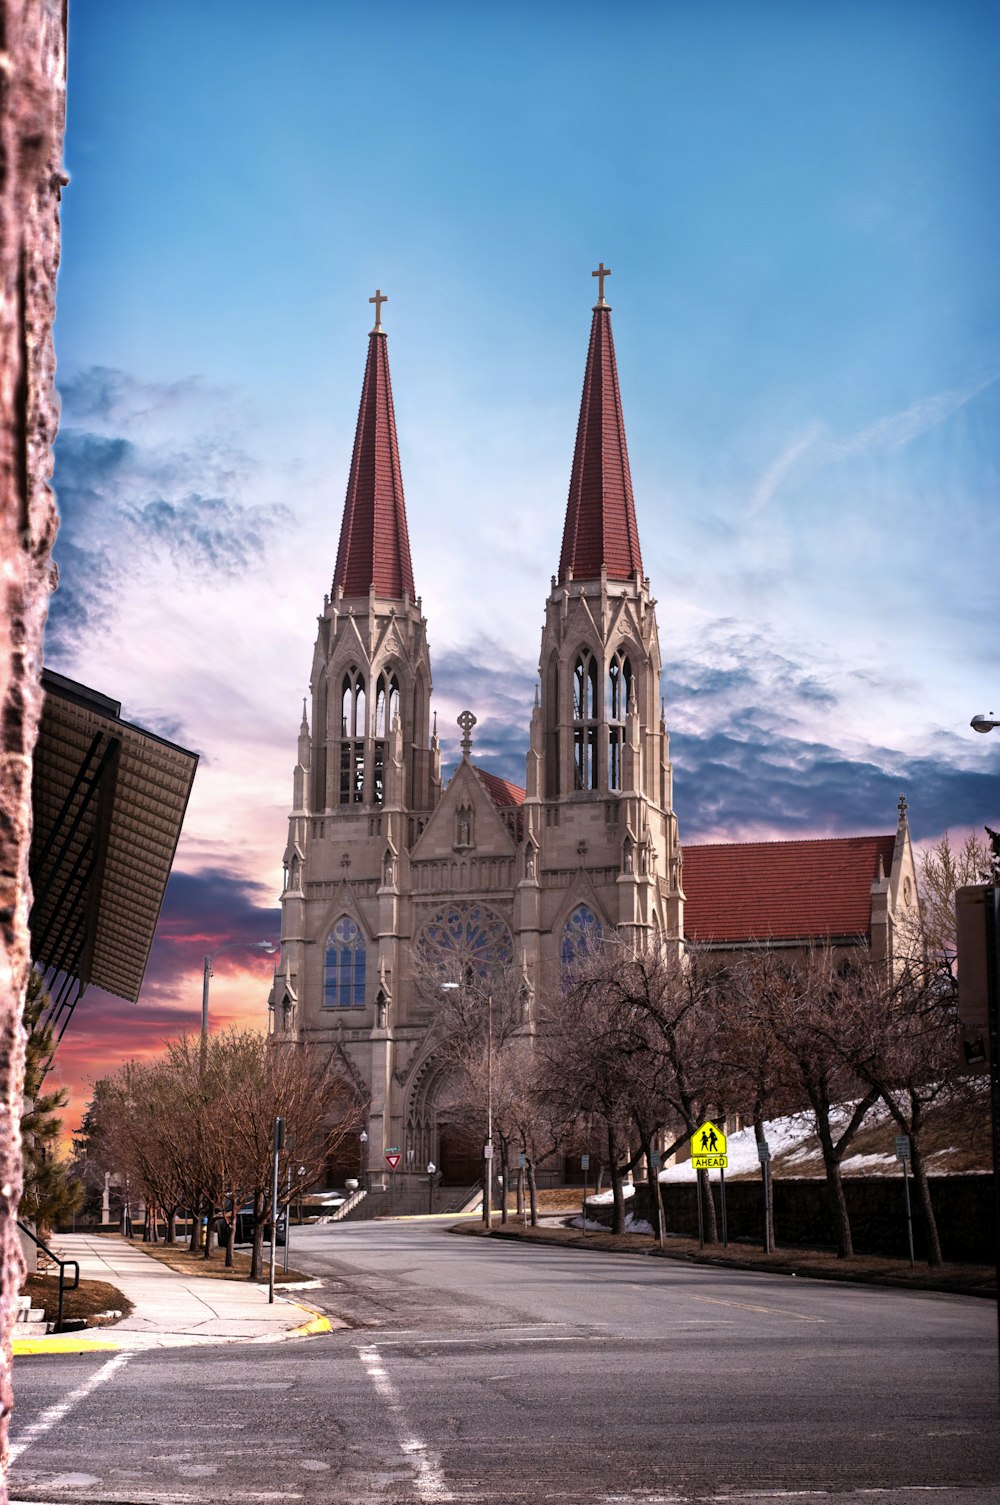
(378, 300)
(600, 274)
(466, 721)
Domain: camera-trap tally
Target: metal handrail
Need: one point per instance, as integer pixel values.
(63, 1264)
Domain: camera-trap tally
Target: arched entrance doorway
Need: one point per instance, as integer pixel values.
(438, 1125)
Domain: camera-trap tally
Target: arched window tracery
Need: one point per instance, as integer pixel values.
(352, 732)
(467, 934)
(344, 966)
(581, 937)
(386, 711)
(586, 713)
(619, 693)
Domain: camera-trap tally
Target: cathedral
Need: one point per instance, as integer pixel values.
(384, 861)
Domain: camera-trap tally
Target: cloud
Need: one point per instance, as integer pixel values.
(139, 508)
(892, 432)
(780, 467)
(895, 430)
(499, 689)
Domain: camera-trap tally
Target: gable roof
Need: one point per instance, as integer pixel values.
(504, 794)
(600, 528)
(374, 549)
(782, 890)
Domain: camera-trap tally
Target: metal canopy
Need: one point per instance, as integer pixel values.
(108, 802)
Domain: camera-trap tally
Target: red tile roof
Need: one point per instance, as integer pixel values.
(600, 524)
(782, 890)
(504, 794)
(374, 543)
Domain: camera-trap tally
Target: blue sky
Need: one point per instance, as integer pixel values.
(798, 203)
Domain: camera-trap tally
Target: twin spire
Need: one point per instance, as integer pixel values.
(374, 551)
(600, 531)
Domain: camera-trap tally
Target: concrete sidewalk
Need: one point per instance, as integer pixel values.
(170, 1310)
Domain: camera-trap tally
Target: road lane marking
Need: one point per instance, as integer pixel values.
(55, 1413)
(428, 1480)
(745, 1306)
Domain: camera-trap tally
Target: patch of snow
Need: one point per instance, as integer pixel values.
(606, 1198)
(636, 1225)
(578, 1222)
(854, 1164)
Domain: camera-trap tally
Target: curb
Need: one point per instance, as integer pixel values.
(62, 1343)
(724, 1262)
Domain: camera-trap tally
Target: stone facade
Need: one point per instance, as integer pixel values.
(383, 861)
(386, 866)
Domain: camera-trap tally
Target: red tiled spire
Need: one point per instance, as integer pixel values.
(600, 514)
(374, 546)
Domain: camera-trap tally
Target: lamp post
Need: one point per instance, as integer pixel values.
(984, 723)
(363, 1142)
(268, 948)
(431, 1168)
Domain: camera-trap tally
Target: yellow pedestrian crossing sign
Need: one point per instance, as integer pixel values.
(708, 1148)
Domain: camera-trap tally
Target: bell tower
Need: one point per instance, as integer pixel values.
(599, 804)
(367, 777)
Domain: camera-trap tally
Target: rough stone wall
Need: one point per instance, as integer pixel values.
(32, 114)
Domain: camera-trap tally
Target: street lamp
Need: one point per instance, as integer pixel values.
(984, 723)
(431, 1168)
(363, 1141)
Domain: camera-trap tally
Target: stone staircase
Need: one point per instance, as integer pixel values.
(30, 1317)
(408, 1201)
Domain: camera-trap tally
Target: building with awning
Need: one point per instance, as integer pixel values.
(108, 802)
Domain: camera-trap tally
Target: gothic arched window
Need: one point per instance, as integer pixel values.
(352, 732)
(586, 711)
(581, 937)
(619, 695)
(344, 970)
(386, 711)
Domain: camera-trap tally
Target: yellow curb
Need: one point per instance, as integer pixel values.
(310, 1328)
(62, 1344)
(316, 1324)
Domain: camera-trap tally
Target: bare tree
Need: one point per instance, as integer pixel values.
(898, 1034)
(801, 1002)
(943, 869)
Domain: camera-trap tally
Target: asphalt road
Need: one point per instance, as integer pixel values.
(486, 1371)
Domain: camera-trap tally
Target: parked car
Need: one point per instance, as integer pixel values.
(244, 1227)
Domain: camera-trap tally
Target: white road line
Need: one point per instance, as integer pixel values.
(55, 1413)
(428, 1480)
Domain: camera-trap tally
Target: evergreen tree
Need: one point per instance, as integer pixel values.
(50, 1193)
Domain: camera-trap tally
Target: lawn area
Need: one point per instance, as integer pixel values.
(180, 1258)
(89, 1300)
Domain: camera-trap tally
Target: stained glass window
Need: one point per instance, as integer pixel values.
(472, 933)
(344, 974)
(581, 937)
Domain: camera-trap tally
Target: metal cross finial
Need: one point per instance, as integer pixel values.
(902, 806)
(378, 300)
(601, 273)
(466, 721)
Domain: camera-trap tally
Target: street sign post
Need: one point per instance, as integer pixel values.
(764, 1156)
(709, 1152)
(903, 1156)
